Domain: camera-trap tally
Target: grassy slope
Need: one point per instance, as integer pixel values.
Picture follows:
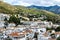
(10, 9)
(4, 7)
(7, 8)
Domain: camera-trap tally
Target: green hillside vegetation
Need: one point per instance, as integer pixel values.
(7, 8)
(24, 11)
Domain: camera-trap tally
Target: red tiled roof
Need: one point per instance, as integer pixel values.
(16, 34)
(28, 31)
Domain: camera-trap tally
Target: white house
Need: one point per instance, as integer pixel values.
(3, 16)
(42, 24)
(41, 37)
(2, 24)
(11, 25)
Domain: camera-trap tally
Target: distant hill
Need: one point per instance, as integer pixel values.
(54, 9)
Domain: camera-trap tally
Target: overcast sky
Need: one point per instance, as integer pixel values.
(34, 2)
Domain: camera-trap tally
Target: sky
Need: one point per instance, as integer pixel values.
(33, 2)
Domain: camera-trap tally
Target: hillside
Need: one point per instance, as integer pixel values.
(33, 10)
(25, 12)
(55, 8)
(6, 8)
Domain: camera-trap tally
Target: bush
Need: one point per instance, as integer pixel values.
(14, 20)
(57, 29)
(47, 28)
(52, 28)
(58, 38)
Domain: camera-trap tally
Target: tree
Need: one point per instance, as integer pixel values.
(58, 38)
(52, 28)
(14, 20)
(57, 29)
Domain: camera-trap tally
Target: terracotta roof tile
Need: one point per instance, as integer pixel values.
(16, 34)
